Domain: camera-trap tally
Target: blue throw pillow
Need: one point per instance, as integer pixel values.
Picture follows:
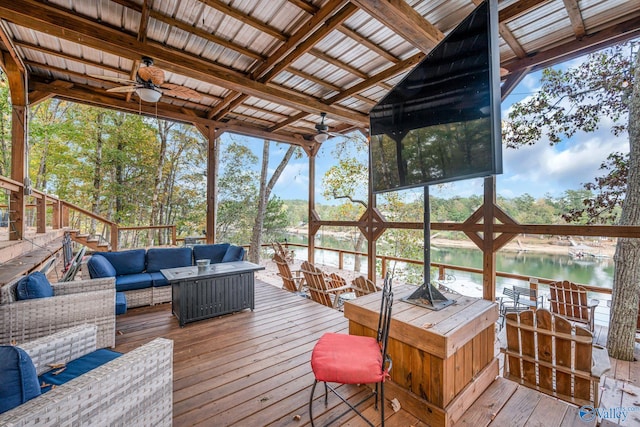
(18, 379)
(234, 253)
(214, 252)
(99, 266)
(159, 258)
(35, 285)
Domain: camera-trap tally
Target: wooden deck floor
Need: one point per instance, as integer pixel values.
(252, 369)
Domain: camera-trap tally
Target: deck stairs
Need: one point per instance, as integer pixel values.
(94, 242)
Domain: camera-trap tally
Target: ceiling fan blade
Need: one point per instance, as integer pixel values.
(179, 91)
(153, 74)
(112, 79)
(124, 89)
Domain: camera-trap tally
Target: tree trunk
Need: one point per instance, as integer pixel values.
(626, 281)
(263, 197)
(163, 132)
(97, 171)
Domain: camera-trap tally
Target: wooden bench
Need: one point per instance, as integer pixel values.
(547, 353)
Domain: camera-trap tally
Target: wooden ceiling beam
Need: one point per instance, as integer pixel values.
(368, 44)
(38, 96)
(58, 23)
(340, 64)
(326, 84)
(9, 45)
(573, 9)
(610, 36)
(405, 21)
(303, 5)
(510, 40)
(519, 8)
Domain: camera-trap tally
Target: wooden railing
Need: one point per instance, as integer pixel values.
(443, 269)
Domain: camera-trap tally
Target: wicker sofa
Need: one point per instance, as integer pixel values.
(137, 271)
(135, 389)
(74, 303)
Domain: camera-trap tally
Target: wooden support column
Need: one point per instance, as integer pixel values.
(313, 227)
(64, 211)
(41, 214)
(19, 131)
(57, 218)
(213, 156)
(488, 250)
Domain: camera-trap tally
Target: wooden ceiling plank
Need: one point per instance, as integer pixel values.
(575, 16)
(206, 35)
(44, 17)
(288, 121)
(316, 28)
(368, 44)
(405, 21)
(246, 19)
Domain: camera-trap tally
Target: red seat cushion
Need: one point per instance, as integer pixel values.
(347, 359)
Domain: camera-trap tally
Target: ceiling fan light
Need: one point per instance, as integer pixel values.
(148, 94)
(321, 137)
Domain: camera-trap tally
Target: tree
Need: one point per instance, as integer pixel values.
(579, 99)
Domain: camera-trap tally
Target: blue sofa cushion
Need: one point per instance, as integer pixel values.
(77, 367)
(99, 266)
(34, 285)
(130, 282)
(215, 252)
(159, 279)
(159, 258)
(121, 303)
(126, 262)
(234, 253)
(18, 379)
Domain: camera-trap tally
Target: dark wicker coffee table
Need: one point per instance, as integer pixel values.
(224, 288)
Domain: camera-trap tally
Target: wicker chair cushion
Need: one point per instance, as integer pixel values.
(215, 252)
(121, 303)
(35, 285)
(77, 367)
(99, 266)
(18, 379)
(234, 253)
(127, 262)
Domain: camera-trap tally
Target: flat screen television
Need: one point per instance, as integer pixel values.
(441, 123)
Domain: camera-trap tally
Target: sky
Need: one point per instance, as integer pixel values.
(537, 170)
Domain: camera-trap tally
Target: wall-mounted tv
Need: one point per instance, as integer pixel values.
(441, 123)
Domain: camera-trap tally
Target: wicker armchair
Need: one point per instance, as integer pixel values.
(74, 303)
(135, 389)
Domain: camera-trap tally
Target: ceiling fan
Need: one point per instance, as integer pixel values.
(323, 130)
(149, 84)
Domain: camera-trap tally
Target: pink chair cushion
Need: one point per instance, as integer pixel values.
(347, 359)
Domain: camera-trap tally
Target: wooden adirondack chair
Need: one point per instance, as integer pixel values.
(322, 288)
(363, 286)
(570, 300)
(547, 353)
(291, 281)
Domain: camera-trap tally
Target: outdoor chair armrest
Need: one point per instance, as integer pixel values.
(341, 289)
(593, 303)
(135, 389)
(600, 361)
(61, 347)
(83, 286)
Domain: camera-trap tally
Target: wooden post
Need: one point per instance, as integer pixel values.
(174, 235)
(311, 249)
(57, 218)
(488, 252)
(65, 215)
(213, 155)
(114, 236)
(41, 214)
(19, 134)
